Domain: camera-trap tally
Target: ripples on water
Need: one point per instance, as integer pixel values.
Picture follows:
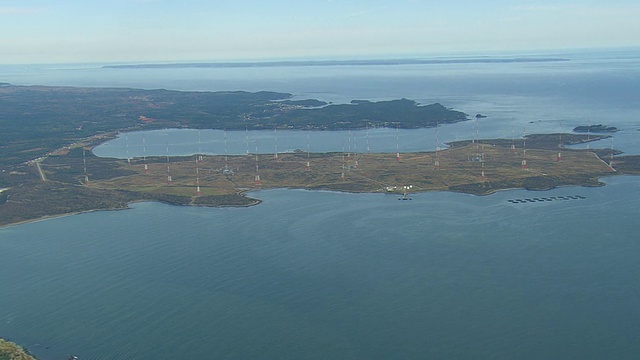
(330, 275)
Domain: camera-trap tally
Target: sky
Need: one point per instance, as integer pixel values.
(130, 31)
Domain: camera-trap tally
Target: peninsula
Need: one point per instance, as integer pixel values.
(48, 169)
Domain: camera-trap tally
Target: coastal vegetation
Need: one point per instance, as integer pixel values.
(38, 119)
(11, 351)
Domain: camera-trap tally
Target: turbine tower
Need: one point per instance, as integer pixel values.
(524, 150)
(84, 165)
(275, 137)
(588, 133)
(349, 143)
(199, 157)
(257, 180)
(308, 161)
(144, 154)
(611, 156)
(226, 154)
(436, 163)
(368, 148)
(559, 157)
(477, 131)
(513, 136)
(126, 145)
(169, 179)
(246, 138)
(398, 142)
(198, 193)
(355, 143)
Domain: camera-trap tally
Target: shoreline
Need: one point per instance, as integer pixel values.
(364, 182)
(257, 202)
(50, 217)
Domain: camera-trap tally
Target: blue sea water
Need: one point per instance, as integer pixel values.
(333, 275)
(518, 98)
(308, 275)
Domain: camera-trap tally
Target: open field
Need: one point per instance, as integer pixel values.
(458, 169)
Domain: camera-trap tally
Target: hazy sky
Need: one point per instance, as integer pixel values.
(39, 31)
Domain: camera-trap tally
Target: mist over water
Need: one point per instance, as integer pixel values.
(355, 276)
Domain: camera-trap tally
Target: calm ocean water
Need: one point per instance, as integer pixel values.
(328, 275)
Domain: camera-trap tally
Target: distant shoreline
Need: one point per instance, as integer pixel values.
(127, 207)
(304, 63)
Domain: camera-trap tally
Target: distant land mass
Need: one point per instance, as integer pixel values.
(38, 119)
(595, 128)
(305, 103)
(295, 63)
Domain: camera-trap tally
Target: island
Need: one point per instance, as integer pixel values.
(48, 168)
(595, 129)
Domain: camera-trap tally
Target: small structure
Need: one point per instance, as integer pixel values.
(405, 192)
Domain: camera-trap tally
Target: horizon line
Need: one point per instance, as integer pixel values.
(553, 53)
(487, 59)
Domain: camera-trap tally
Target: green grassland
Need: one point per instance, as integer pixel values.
(457, 171)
